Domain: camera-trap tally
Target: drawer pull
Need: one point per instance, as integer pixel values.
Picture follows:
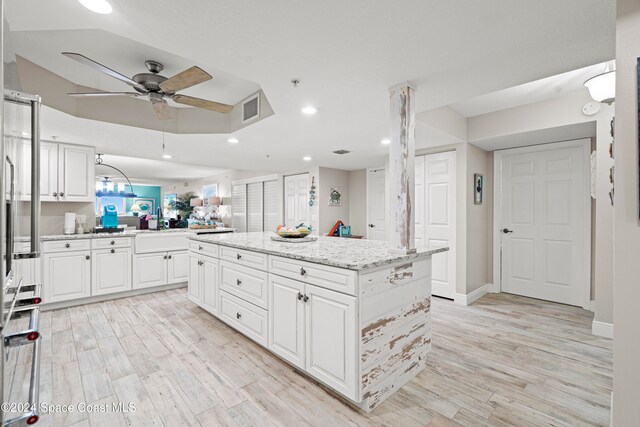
(67, 245)
(61, 194)
(238, 256)
(306, 298)
(55, 194)
(300, 296)
(88, 257)
(113, 242)
(238, 282)
(238, 315)
(199, 248)
(303, 272)
(165, 257)
(200, 262)
(170, 256)
(113, 251)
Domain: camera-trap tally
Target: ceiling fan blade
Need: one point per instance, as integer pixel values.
(98, 94)
(106, 70)
(202, 103)
(162, 109)
(187, 78)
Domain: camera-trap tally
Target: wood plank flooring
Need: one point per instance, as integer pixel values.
(504, 361)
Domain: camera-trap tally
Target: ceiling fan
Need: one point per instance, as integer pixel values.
(155, 87)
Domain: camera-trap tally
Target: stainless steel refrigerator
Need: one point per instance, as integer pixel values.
(20, 338)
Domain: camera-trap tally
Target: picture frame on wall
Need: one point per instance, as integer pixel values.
(147, 205)
(478, 188)
(208, 191)
(335, 196)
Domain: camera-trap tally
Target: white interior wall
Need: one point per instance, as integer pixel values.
(330, 214)
(358, 202)
(626, 345)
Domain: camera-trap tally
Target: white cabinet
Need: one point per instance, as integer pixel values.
(111, 271)
(66, 173)
(67, 275)
(203, 282)
(160, 268)
(314, 329)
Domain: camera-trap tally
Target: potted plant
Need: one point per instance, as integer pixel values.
(182, 204)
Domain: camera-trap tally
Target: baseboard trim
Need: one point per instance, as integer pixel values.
(469, 299)
(602, 329)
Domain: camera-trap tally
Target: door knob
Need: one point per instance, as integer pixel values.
(506, 231)
(371, 225)
(300, 296)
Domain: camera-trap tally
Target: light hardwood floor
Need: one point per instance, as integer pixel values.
(504, 361)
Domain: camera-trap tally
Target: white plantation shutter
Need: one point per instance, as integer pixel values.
(270, 197)
(254, 207)
(239, 207)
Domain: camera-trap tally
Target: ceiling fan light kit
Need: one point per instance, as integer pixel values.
(155, 86)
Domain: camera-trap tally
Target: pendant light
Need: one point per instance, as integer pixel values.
(602, 87)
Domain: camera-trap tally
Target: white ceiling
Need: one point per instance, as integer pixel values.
(346, 54)
(528, 93)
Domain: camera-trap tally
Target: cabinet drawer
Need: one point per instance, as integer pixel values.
(246, 318)
(337, 279)
(66, 245)
(244, 282)
(204, 248)
(248, 258)
(113, 242)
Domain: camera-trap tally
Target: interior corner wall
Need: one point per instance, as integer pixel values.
(358, 202)
(477, 219)
(330, 214)
(626, 268)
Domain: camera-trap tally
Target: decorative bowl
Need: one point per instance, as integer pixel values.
(293, 234)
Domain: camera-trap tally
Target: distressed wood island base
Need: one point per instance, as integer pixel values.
(347, 313)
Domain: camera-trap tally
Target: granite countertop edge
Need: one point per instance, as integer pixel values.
(127, 233)
(391, 258)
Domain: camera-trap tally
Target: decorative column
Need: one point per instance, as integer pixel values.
(402, 169)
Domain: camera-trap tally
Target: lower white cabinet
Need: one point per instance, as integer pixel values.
(66, 275)
(204, 281)
(160, 268)
(314, 329)
(110, 271)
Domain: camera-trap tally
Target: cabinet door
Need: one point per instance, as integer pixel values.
(149, 270)
(67, 276)
(48, 172)
(286, 319)
(76, 178)
(177, 267)
(110, 271)
(330, 330)
(195, 279)
(210, 284)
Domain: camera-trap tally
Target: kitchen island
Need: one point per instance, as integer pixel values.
(346, 312)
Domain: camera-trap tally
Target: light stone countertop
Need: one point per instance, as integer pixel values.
(127, 233)
(352, 254)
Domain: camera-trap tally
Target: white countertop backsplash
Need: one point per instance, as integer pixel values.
(353, 254)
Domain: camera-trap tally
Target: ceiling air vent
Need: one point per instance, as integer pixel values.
(251, 108)
(341, 152)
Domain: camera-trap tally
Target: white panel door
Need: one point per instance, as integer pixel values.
(149, 270)
(210, 284)
(110, 271)
(67, 276)
(239, 207)
(286, 319)
(544, 227)
(439, 219)
(254, 207)
(271, 203)
(48, 172)
(76, 177)
(330, 330)
(376, 205)
(296, 199)
(177, 267)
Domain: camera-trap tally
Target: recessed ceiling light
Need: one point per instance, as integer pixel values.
(385, 141)
(233, 140)
(166, 156)
(307, 158)
(98, 6)
(309, 110)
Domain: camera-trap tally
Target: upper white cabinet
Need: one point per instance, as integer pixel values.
(66, 172)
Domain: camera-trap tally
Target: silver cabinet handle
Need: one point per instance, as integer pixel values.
(113, 251)
(238, 315)
(305, 299)
(67, 245)
(300, 296)
(170, 256)
(55, 194)
(61, 194)
(238, 282)
(165, 257)
(199, 248)
(371, 225)
(238, 256)
(506, 231)
(88, 256)
(113, 242)
(303, 272)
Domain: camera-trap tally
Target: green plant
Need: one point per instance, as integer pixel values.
(182, 204)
